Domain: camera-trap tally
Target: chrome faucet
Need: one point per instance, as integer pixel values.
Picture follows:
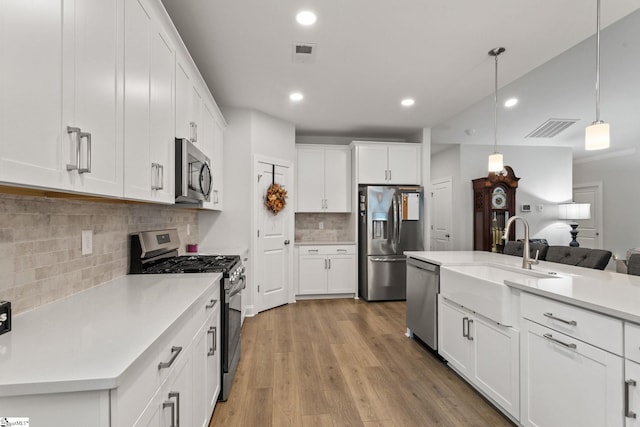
(526, 257)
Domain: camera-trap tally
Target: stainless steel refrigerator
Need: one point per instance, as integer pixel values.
(390, 222)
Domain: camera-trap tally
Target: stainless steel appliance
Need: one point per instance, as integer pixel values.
(390, 223)
(156, 252)
(193, 180)
(423, 286)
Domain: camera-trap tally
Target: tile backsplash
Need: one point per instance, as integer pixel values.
(336, 227)
(40, 244)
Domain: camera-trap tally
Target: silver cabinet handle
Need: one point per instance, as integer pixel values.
(325, 263)
(160, 177)
(193, 130)
(216, 200)
(551, 338)
(76, 131)
(469, 337)
(86, 135)
(155, 167)
(211, 304)
(329, 259)
(286, 242)
(389, 175)
(568, 322)
(170, 404)
(175, 351)
(175, 394)
(341, 250)
(386, 175)
(627, 412)
(315, 251)
(465, 325)
(212, 350)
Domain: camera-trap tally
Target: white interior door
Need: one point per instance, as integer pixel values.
(441, 213)
(590, 230)
(273, 255)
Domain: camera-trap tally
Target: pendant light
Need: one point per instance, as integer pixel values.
(496, 163)
(596, 136)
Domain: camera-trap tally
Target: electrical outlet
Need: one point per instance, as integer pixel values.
(321, 225)
(87, 242)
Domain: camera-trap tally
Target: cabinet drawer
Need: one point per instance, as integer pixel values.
(327, 250)
(597, 329)
(632, 341)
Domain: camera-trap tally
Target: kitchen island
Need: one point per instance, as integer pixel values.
(103, 357)
(553, 346)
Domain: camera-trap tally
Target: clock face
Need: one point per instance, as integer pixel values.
(498, 198)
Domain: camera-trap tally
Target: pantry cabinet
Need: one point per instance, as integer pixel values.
(387, 163)
(483, 351)
(149, 65)
(59, 87)
(326, 270)
(324, 178)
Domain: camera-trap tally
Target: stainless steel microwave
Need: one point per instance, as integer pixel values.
(193, 173)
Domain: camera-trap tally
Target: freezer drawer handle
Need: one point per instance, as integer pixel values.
(568, 322)
(627, 412)
(388, 259)
(551, 338)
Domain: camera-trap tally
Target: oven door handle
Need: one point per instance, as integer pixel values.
(238, 287)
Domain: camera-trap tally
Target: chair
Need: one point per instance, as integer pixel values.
(633, 264)
(580, 257)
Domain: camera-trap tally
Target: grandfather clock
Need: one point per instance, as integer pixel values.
(494, 202)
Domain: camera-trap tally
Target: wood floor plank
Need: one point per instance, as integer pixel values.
(345, 362)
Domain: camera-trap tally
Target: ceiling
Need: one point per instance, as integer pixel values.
(372, 53)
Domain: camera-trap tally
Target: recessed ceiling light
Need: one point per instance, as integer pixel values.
(510, 102)
(306, 17)
(407, 102)
(296, 96)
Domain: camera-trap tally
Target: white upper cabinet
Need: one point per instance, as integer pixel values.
(324, 179)
(387, 163)
(148, 104)
(59, 80)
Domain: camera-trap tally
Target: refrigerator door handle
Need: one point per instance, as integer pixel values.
(400, 210)
(394, 208)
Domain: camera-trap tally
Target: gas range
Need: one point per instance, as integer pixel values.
(193, 264)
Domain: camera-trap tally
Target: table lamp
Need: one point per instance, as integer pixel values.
(574, 212)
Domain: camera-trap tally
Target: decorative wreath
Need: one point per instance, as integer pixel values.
(275, 199)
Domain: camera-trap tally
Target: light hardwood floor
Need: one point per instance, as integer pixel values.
(344, 363)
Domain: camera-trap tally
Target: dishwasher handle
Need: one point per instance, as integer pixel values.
(423, 265)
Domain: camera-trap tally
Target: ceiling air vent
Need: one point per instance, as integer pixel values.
(551, 128)
(304, 53)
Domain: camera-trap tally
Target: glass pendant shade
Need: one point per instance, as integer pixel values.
(496, 163)
(596, 136)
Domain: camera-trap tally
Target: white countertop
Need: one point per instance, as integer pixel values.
(88, 340)
(607, 292)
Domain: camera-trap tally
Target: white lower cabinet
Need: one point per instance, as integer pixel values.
(327, 270)
(206, 366)
(483, 351)
(567, 382)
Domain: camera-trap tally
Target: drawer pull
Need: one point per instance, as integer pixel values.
(551, 338)
(211, 304)
(175, 351)
(469, 337)
(342, 250)
(465, 325)
(627, 384)
(214, 342)
(568, 322)
(175, 394)
(315, 251)
(170, 404)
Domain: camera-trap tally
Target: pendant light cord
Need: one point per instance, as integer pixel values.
(598, 62)
(495, 52)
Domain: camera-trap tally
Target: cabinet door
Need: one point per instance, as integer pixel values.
(312, 273)
(567, 382)
(496, 363)
(206, 142)
(341, 274)
(91, 72)
(162, 115)
(453, 345)
(31, 92)
(310, 189)
(183, 98)
(217, 164)
(372, 164)
(206, 369)
(404, 164)
(178, 391)
(632, 375)
(137, 67)
(337, 180)
(213, 364)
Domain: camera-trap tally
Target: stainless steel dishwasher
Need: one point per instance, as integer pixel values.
(423, 285)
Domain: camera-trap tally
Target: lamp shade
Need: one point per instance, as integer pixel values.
(574, 211)
(596, 136)
(496, 163)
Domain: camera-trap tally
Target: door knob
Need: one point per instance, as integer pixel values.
(286, 242)
(447, 236)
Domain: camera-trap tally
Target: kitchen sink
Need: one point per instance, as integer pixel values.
(481, 288)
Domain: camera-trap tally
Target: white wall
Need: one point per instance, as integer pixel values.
(545, 179)
(273, 137)
(620, 175)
